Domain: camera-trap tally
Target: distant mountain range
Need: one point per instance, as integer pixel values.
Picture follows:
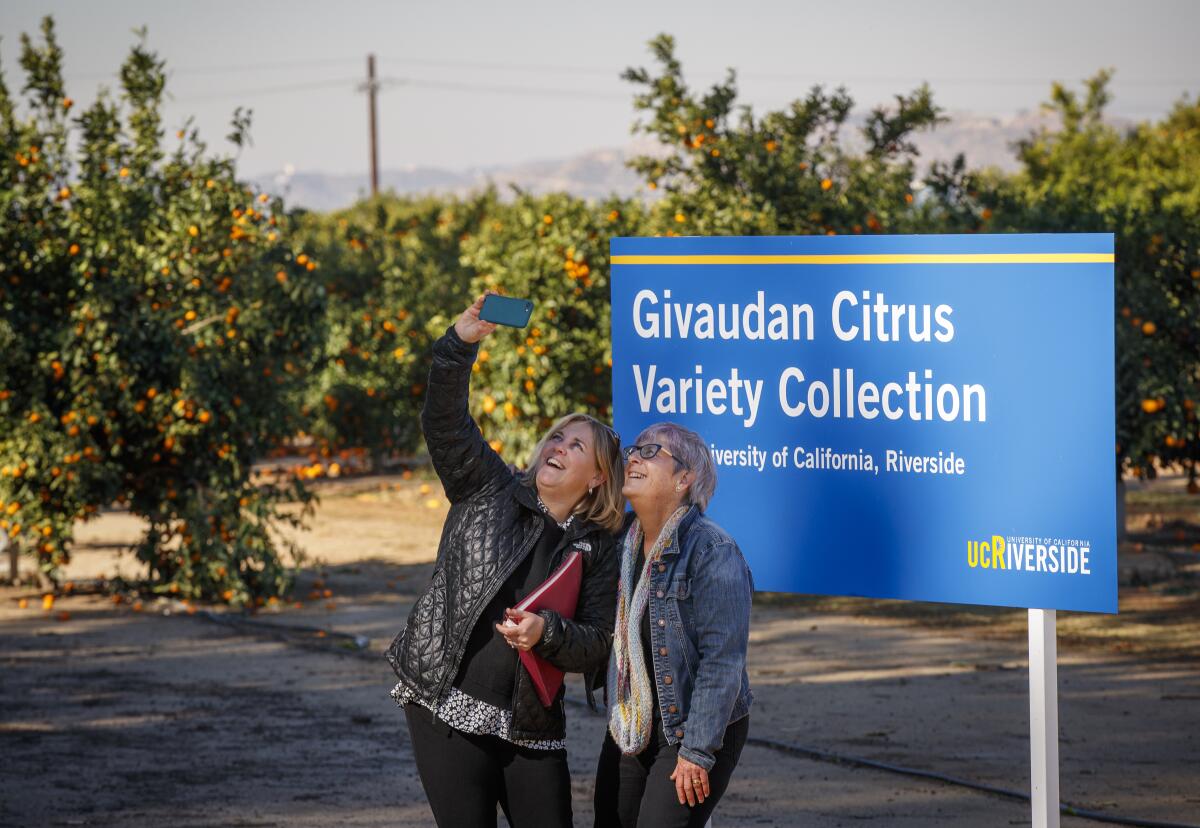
(986, 141)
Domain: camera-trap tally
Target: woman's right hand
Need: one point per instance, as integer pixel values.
(469, 327)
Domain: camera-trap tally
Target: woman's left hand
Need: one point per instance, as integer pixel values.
(691, 782)
(525, 629)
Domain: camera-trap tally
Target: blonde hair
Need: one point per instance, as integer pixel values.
(604, 504)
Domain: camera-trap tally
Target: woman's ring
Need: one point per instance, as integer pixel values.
(696, 782)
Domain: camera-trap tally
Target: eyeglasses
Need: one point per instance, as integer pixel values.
(649, 452)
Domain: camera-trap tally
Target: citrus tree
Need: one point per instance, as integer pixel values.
(554, 250)
(1143, 184)
(388, 265)
(157, 324)
(725, 171)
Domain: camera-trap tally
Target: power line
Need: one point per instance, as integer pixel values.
(470, 87)
(614, 74)
(562, 69)
(416, 83)
(788, 77)
(491, 88)
(222, 69)
(349, 83)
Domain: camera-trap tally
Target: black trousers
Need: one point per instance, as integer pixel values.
(637, 791)
(466, 776)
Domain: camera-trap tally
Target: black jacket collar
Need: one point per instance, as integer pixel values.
(526, 495)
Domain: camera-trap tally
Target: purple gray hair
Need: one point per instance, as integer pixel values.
(691, 452)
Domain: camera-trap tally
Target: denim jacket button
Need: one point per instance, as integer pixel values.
(667, 679)
(672, 709)
(662, 567)
(660, 593)
(679, 734)
(662, 651)
(662, 622)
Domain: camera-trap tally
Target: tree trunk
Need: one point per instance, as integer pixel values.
(14, 557)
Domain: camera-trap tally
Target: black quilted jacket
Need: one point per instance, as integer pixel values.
(493, 523)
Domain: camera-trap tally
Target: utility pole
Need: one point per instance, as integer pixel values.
(372, 87)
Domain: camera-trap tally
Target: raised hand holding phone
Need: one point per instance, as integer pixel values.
(469, 327)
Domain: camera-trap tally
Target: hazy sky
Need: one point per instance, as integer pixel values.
(472, 83)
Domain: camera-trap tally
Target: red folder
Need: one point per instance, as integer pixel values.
(559, 592)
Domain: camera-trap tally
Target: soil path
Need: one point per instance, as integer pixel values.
(119, 717)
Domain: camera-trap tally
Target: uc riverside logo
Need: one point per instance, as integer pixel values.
(1030, 554)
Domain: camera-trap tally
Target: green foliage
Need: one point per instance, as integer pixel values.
(163, 327)
(1143, 184)
(389, 265)
(553, 250)
(792, 171)
(155, 324)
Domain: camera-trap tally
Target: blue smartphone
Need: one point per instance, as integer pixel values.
(504, 310)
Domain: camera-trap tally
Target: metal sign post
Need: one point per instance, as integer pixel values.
(1043, 717)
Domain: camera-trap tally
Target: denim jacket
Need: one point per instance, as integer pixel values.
(699, 609)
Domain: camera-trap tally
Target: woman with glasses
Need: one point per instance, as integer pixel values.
(677, 690)
(479, 733)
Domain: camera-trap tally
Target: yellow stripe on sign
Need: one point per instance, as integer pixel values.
(875, 258)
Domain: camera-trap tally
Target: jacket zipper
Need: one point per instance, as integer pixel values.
(492, 588)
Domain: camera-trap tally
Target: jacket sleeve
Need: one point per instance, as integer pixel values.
(463, 460)
(721, 592)
(581, 645)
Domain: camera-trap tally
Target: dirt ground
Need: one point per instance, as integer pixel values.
(166, 716)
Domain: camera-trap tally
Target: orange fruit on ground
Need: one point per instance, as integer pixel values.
(1148, 328)
(47, 602)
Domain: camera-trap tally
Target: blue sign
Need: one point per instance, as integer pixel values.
(919, 417)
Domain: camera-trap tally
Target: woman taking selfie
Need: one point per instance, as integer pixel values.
(678, 693)
(480, 735)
